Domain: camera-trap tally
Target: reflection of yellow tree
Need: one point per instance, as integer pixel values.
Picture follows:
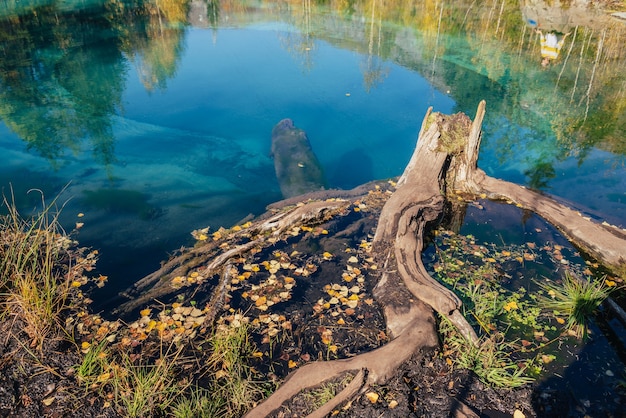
(373, 70)
(156, 55)
(301, 45)
(47, 99)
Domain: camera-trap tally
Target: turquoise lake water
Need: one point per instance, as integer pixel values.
(157, 133)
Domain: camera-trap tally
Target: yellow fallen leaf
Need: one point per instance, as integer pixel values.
(48, 401)
(560, 320)
(352, 303)
(145, 312)
(220, 374)
(518, 414)
(292, 364)
(372, 396)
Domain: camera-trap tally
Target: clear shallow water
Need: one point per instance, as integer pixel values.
(168, 129)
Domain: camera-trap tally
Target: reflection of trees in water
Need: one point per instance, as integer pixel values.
(154, 42)
(62, 73)
(484, 49)
(301, 45)
(373, 70)
(49, 76)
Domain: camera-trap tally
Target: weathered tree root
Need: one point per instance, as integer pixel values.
(603, 242)
(373, 367)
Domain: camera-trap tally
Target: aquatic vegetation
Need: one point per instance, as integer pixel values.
(490, 359)
(518, 323)
(575, 298)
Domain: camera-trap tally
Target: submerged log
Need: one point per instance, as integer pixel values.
(297, 169)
